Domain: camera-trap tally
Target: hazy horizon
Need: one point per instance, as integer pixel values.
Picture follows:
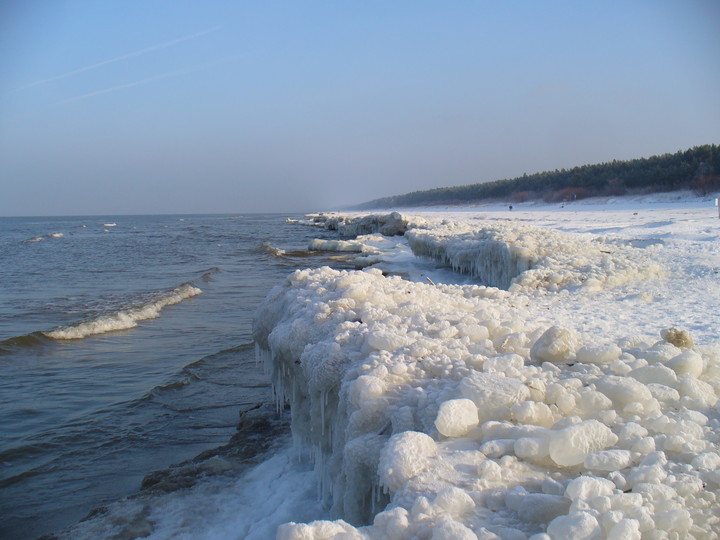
(225, 107)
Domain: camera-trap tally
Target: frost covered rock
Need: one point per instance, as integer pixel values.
(677, 336)
(456, 417)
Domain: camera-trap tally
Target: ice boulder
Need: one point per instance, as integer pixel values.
(688, 362)
(625, 529)
(454, 502)
(608, 460)
(317, 530)
(588, 487)
(536, 507)
(456, 417)
(492, 392)
(598, 354)
(448, 529)
(578, 526)
(623, 390)
(405, 456)
(557, 344)
(570, 445)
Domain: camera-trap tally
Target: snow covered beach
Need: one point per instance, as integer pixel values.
(578, 399)
(575, 398)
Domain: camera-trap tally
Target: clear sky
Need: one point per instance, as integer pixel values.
(157, 106)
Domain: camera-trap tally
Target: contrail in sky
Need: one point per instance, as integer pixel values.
(123, 57)
(147, 80)
(130, 84)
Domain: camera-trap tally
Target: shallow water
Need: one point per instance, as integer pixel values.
(154, 373)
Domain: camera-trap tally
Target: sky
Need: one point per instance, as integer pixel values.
(157, 106)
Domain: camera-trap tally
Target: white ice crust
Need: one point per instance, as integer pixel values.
(532, 408)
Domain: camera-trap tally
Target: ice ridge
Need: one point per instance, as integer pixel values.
(446, 412)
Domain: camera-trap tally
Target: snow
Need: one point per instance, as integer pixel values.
(566, 387)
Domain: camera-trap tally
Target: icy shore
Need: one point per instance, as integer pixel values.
(577, 400)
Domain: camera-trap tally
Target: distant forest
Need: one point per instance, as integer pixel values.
(697, 169)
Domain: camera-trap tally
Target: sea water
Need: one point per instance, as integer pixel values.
(125, 346)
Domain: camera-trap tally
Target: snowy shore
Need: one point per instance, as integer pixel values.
(575, 398)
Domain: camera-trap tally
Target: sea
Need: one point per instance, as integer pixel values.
(126, 347)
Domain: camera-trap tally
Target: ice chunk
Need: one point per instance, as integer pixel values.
(578, 526)
(655, 373)
(491, 392)
(588, 487)
(623, 390)
(448, 529)
(536, 507)
(608, 460)
(316, 530)
(598, 354)
(625, 529)
(456, 417)
(688, 362)
(405, 456)
(454, 502)
(338, 245)
(557, 344)
(570, 446)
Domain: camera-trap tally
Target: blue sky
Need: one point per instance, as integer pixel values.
(159, 106)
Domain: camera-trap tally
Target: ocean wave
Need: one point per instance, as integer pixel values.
(41, 238)
(123, 320)
(272, 250)
(207, 274)
(18, 342)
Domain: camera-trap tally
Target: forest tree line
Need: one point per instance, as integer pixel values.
(697, 169)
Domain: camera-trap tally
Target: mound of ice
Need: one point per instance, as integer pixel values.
(524, 257)
(392, 224)
(338, 245)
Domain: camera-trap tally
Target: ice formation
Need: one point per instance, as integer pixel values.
(386, 224)
(449, 411)
(521, 256)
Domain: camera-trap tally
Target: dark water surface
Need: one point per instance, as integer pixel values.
(82, 420)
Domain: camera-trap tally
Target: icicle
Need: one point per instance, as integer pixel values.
(322, 412)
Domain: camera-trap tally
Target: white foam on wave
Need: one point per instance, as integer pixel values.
(123, 320)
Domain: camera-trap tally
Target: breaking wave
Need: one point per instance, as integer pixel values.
(272, 250)
(28, 340)
(123, 320)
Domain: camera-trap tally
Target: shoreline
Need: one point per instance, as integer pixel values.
(399, 414)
